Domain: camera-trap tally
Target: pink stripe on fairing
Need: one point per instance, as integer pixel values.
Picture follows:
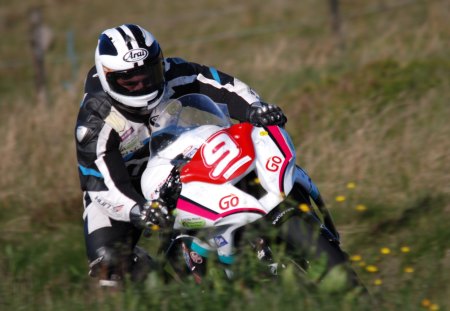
(202, 212)
(279, 138)
(195, 209)
(243, 210)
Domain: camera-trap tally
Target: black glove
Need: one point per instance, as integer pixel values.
(153, 215)
(171, 189)
(262, 114)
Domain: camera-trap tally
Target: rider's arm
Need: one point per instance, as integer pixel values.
(102, 171)
(187, 77)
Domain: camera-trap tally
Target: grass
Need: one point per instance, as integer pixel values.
(368, 111)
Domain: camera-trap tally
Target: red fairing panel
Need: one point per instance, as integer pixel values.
(223, 157)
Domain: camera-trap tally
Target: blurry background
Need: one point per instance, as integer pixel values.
(365, 86)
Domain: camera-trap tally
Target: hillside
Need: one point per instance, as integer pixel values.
(368, 108)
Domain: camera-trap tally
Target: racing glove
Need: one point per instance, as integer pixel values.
(263, 114)
(153, 215)
(171, 189)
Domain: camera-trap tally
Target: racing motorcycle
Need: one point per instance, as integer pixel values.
(231, 186)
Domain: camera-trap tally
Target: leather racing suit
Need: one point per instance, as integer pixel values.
(112, 146)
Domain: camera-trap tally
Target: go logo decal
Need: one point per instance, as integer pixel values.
(273, 164)
(220, 151)
(228, 201)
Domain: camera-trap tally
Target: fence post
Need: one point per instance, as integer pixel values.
(40, 39)
(72, 57)
(336, 20)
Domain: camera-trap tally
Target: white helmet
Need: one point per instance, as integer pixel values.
(130, 66)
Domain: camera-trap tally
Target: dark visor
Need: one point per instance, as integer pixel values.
(138, 81)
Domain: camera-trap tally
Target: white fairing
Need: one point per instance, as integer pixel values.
(159, 166)
(221, 156)
(272, 163)
(220, 201)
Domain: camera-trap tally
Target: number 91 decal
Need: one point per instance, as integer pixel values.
(220, 151)
(224, 156)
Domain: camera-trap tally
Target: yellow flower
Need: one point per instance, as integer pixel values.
(371, 269)
(360, 208)
(362, 263)
(405, 249)
(340, 198)
(385, 250)
(304, 207)
(351, 185)
(408, 269)
(378, 282)
(355, 258)
(425, 303)
(434, 307)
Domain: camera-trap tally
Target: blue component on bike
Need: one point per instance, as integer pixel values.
(288, 140)
(215, 74)
(303, 178)
(229, 260)
(89, 171)
(314, 191)
(199, 250)
(220, 241)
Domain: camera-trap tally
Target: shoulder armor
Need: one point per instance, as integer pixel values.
(84, 134)
(92, 83)
(93, 111)
(98, 104)
(176, 60)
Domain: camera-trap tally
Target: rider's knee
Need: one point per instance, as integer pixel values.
(106, 267)
(110, 266)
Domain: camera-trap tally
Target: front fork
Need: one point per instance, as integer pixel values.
(195, 262)
(304, 189)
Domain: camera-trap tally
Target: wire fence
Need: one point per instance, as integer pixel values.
(40, 35)
(72, 57)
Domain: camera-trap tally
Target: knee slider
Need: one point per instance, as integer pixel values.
(107, 259)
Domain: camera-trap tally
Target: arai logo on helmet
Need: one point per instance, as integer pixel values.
(135, 55)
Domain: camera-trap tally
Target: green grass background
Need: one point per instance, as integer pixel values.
(368, 109)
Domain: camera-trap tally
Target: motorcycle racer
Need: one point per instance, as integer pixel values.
(130, 79)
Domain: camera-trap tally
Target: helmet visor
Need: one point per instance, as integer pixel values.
(138, 81)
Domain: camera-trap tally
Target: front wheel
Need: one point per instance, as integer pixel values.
(300, 241)
(308, 243)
